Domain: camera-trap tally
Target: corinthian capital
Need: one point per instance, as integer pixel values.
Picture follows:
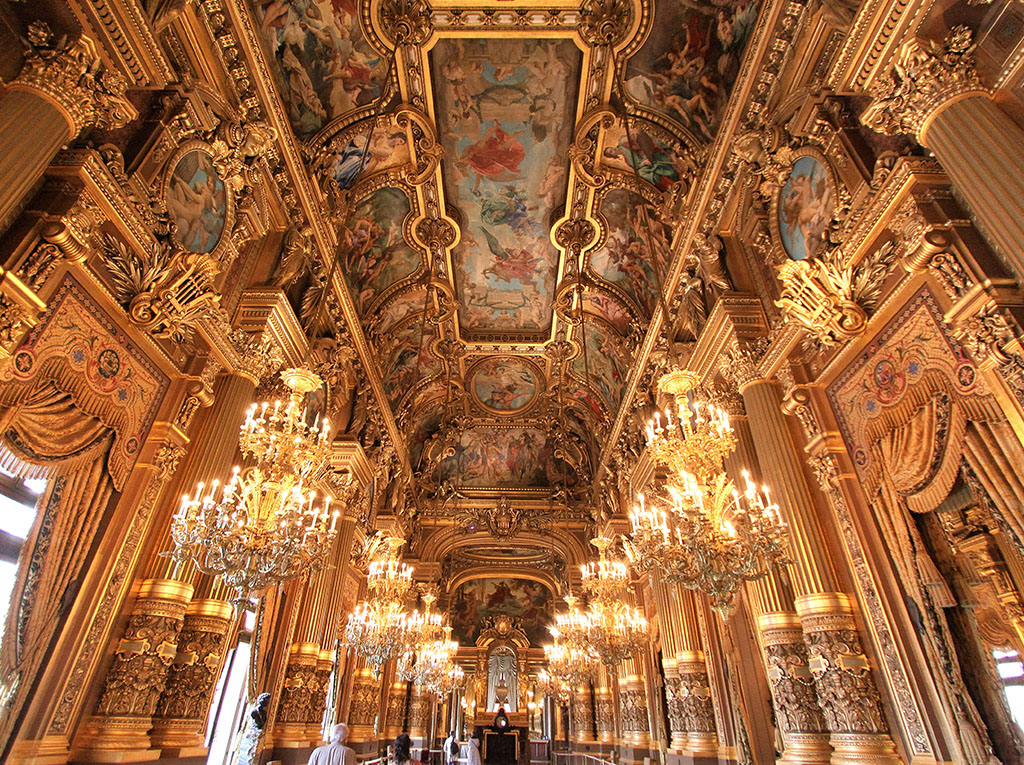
(69, 75)
(925, 78)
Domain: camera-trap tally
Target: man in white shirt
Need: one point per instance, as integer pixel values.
(451, 749)
(334, 753)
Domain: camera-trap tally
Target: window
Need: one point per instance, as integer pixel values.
(1011, 672)
(18, 500)
(229, 707)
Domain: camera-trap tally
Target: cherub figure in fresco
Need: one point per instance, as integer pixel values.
(808, 207)
(496, 156)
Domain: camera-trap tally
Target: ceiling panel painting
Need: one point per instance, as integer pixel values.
(407, 359)
(639, 152)
(502, 457)
(375, 253)
(478, 600)
(606, 362)
(323, 65)
(623, 259)
(505, 113)
(689, 62)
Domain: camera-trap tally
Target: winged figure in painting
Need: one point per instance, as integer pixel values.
(510, 265)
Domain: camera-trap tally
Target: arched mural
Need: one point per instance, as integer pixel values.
(477, 600)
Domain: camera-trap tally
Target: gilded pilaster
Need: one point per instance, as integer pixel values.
(812, 572)
(142, 660)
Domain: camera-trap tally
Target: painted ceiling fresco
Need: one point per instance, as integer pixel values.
(688, 64)
(499, 131)
(505, 111)
(324, 65)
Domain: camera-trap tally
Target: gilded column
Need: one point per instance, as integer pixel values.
(695, 703)
(142, 659)
(582, 713)
(421, 704)
(826, 615)
(298, 693)
(394, 715)
(61, 91)
(180, 718)
(794, 698)
(604, 712)
(934, 94)
(364, 703)
(636, 730)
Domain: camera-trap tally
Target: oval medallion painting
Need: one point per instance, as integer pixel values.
(806, 209)
(197, 201)
(505, 385)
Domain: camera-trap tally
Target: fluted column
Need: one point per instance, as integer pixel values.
(394, 715)
(364, 703)
(60, 92)
(604, 712)
(142, 660)
(211, 456)
(636, 730)
(420, 707)
(794, 698)
(826, 615)
(937, 97)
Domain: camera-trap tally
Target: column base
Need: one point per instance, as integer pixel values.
(806, 749)
(863, 748)
(117, 734)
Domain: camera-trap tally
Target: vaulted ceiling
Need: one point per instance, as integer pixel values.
(502, 230)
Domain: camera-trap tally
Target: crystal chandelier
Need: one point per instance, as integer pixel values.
(379, 627)
(693, 436)
(430, 665)
(572, 666)
(705, 535)
(609, 628)
(263, 526)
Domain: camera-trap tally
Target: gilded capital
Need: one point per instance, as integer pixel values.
(69, 75)
(925, 78)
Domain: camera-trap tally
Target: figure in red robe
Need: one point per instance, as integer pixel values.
(496, 156)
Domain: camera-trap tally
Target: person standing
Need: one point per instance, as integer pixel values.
(451, 749)
(473, 753)
(403, 749)
(335, 752)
